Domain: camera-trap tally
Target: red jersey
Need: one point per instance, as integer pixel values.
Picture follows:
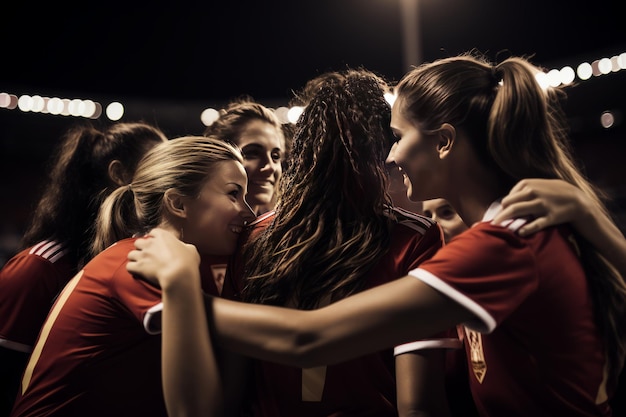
(29, 283)
(534, 348)
(99, 351)
(366, 385)
(217, 268)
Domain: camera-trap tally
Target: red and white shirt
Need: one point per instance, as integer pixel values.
(99, 351)
(364, 386)
(29, 284)
(534, 348)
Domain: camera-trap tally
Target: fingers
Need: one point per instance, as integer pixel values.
(520, 195)
(133, 255)
(533, 226)
(522, 208)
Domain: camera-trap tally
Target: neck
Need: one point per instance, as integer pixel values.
(473, 194)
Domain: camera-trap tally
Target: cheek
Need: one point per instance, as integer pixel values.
(459, 226)
(278, 169)
(207, 214)
(211, 230)
(398, 153)
(410, 154)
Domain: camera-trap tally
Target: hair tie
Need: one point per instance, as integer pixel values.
(496, 76)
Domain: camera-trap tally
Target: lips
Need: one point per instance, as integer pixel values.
(262, 183)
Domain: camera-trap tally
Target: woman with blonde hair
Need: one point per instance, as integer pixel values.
(544, 314)
(99, 351)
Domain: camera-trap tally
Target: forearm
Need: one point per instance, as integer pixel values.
(364, 323)
(191, 380)
(258, 331)
(607, 238)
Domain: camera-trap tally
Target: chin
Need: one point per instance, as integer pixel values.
(258, 200)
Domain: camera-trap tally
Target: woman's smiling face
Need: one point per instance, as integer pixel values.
(263, 148)
(415, 153)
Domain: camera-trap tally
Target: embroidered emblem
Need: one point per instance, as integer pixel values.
(477, 355)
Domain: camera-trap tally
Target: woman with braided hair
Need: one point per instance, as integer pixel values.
(334, 233)
(543, 314)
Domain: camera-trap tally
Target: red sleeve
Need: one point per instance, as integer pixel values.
(426, 247)
(488, 269)
(28, 287)
(107, 272)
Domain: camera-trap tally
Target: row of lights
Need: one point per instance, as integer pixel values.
(115, 110)
(584, 71)
(60, 106)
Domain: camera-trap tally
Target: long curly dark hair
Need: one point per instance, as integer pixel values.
(330, 226)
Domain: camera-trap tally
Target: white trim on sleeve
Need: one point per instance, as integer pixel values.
(444, 343)
(152, 319)
(484, 322)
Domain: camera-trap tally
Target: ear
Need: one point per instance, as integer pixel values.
(117, 173)
(174, 203)
(446, 138)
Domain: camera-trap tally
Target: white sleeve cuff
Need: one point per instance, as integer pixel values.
(447, 343)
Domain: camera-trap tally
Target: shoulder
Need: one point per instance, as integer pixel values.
(411, 220)
(414, 237)
(50, 250)
(46, 257)
(259, 224)
(121, 246)
(263, 219)
(112, 258)
(486, 235)
(417, 228)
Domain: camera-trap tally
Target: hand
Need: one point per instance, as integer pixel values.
(161, 259)
(547, 201)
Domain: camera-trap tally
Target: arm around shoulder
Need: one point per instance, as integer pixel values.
(550, 202)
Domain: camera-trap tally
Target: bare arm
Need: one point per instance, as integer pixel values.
(391, 314)
(420, 383)
(553, 202)
(394, 313)
(191, 381)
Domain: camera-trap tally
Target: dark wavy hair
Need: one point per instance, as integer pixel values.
(79, 181)
(330, 226)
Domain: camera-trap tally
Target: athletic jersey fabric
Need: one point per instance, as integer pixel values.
(361, 387)
(29, 283)
(99, 351)
(533, 349)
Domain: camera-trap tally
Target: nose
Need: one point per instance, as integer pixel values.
(268, 164)
(392, 152)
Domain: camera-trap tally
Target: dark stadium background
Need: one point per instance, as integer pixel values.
(166, 62)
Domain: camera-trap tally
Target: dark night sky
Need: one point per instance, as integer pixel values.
(211, 50)
(168, 61)
(204, 53)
